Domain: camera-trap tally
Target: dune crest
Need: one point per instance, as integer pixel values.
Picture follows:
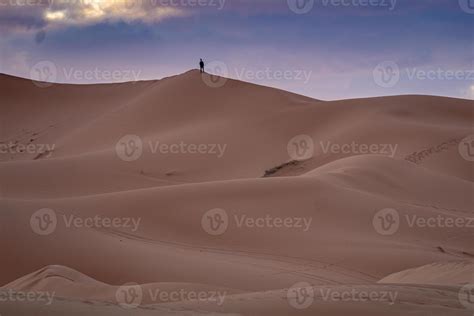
(449, 273)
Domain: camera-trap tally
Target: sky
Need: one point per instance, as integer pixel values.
(325, 49)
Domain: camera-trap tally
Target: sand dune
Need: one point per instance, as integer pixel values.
(69, 283)
(255, 127)
(316, 220)
(435, 273)
(72, 290)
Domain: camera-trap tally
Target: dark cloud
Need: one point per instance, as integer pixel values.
(21, 19)
(40, 36)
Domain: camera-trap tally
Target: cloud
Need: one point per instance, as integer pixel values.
(95, 11)
(16, 19)
(40, 14)
(60, 13)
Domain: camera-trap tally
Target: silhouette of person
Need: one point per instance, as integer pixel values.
(201, 65)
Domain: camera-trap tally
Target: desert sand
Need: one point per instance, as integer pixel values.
(90, 225)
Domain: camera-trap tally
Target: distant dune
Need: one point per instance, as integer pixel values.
(239, 151)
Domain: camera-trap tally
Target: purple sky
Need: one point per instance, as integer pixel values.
(326, 49)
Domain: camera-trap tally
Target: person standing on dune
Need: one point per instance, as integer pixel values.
(201, 65)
